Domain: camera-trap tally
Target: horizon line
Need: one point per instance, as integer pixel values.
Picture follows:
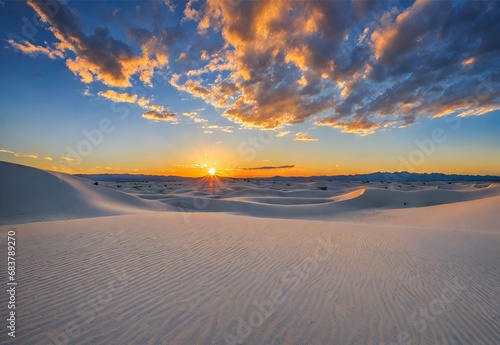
(305, 176)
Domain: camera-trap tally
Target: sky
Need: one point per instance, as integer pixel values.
(251, 88)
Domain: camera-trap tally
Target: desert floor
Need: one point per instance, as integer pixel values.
(250, 262)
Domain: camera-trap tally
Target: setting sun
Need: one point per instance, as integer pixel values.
(211, 171)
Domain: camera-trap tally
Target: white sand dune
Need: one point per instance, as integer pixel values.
(318, 204)
(371, 271)
(372, 198)
(30, 194)
(476, 215)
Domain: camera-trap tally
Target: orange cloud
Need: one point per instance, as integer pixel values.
(113, 66)
(282, 134)
(301, 136)
(194, 115)
(20, 155)
(126, 67)
(469, 61)
(119, 97)
(126, 97)
(360, 126)
(259, 60)
(31, 49)
(476, 111)
(210, 128)
(217, 94)
(165, 116)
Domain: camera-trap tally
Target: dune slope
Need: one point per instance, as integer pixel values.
(29, 194)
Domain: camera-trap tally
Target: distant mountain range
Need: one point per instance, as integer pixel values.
(377, 176)
(131, 177)
(402, 176)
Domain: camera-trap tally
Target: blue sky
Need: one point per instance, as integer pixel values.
(298, 88)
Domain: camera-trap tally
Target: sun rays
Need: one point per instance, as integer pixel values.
(211, 182)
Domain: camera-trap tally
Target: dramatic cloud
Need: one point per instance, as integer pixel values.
(98, 56)
(301, 136)
(357, 66)
(270, 167)
(164, 116)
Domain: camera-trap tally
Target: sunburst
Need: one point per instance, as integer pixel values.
(211, 181)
